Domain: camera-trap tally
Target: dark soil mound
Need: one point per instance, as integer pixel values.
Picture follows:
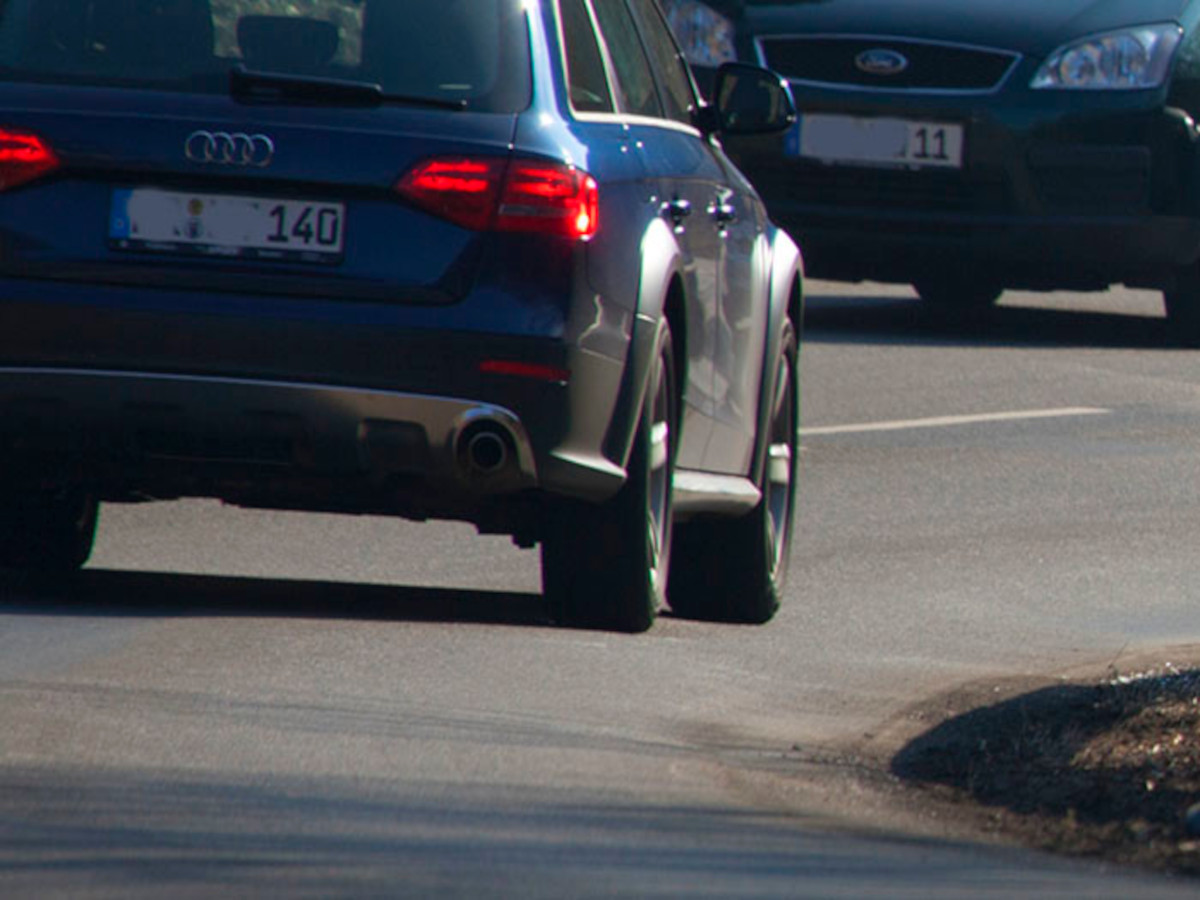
(1108, 770)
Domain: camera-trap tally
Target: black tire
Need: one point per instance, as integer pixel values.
(605, 565)
(49, 532)
(957, 294)
(734, 569)
(1182, 304)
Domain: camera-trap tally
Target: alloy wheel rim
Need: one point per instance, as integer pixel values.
(780, 466)
(659, 475)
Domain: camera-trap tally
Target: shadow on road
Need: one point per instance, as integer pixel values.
(159, 594)
(96, 833)
(852, 319)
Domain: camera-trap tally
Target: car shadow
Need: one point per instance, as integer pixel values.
(865, 319)
(107, 592)
(185, 832)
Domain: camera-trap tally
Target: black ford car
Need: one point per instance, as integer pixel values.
(969, 147)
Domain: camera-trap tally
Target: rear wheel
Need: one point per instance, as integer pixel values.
(734, 569)
(605, 565)
(46, 531)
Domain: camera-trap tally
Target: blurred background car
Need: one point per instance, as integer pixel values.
(478, 260)
(966, 148)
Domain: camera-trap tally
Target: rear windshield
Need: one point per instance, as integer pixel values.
(456, 50)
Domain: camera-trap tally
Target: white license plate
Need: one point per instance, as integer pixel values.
(226, 225)
(852, 140)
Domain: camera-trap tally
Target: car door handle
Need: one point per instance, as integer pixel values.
(677, 210)
(723, 211)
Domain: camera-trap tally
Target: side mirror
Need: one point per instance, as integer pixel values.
(748, 99)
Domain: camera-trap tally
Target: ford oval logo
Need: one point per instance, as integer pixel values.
(881, 62)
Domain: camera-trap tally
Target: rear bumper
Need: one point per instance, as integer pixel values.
(137, 418)
(130, 436)
(308, 403)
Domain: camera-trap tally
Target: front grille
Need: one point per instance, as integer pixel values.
(833, 60)
(952, 192)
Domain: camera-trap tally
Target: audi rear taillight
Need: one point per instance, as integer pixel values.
(23, 157)
(465, 191)
(493, 193)
(549, 198)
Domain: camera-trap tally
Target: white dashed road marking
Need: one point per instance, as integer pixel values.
(949, 421)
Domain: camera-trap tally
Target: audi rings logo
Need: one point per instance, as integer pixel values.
(225, 148)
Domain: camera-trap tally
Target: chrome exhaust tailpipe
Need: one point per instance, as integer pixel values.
(487, 452)
(486, 449)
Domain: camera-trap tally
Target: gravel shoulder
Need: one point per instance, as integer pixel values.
(1095, 764)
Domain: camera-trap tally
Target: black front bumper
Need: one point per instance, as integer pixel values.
(1053, 192)
(1035, 253)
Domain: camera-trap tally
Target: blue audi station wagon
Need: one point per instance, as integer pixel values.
(480, 260)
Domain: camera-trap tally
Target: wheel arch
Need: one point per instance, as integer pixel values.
(661, 298)
(785, 302)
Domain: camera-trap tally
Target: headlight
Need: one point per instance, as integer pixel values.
(1128, 60)
(704, 35)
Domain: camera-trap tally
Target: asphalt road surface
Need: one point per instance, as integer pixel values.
(245, 704)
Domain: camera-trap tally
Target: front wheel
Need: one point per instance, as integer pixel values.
(1182, 303)
(605, 565)
(48, 532)
(734, 569)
